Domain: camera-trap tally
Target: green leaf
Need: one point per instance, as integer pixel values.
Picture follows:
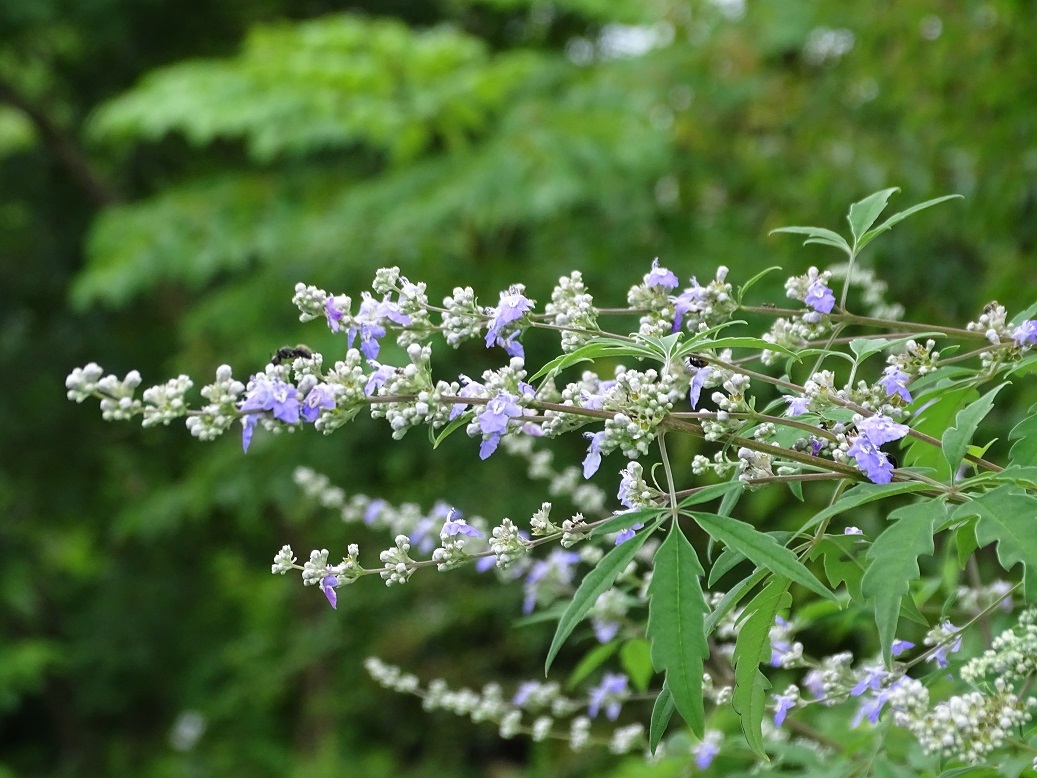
(449, 429)
(662, 711)
(594, 659)
(594, 583)
(727, 560)
(598, 347)
(841, 564)
(1007, 517)
(752, 281)
(733, 596)
(934, 421)
(819, 235)
(1024, 450)
(864, 213)
(965, 542)
(865, 347)
(676, 625)
(859, 495)
(896, 218)
(753, 647)
(761, 549)
(622, 521)
(636, 659)
(956, 439)
(700, 344)
(893, 564)
(711, 492)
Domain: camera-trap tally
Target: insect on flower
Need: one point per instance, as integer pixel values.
(288, 353)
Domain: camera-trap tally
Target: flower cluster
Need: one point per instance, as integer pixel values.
(687, 370)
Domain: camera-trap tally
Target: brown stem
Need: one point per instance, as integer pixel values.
(64, 148)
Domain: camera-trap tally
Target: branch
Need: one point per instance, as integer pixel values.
(68, 153)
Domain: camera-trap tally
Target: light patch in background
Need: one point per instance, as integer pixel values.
(826, 46)
(187, 730)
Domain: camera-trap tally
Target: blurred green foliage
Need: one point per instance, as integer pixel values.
(169, 176)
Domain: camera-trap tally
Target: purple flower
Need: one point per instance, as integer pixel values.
(871, 708)
(592, 461)
(798, 405)
(369, 322)
(327, 585)
(470, 389)
(526, 690)
(1026, 333)
(493, 420)
(894, 381)
(374, 510)
(604, 631)
(873, 677)
(820, 297)
(626, 488)
(459, 527)
(661, 277)
(333, 314)
(814, 681)
(513, 306)
(322, 396)
(783, 703)
(940, 635)
(691, 299)
(853, 531)
(554, 574)
(872, 462)
(881, 429)
(900, 646)
(610, 693)
(873, 432)
(378, 379)
(706, 751)
(512, 346)
(780, 644)
(697, 382)
(624, 535)
(277, 396)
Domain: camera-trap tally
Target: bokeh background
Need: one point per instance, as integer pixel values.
(169, 171)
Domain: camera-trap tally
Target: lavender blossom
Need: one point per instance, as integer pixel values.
(610, 693)
(513, 306)
(820, 297)
(592, 461)
(320, 397)
(493, 420)
(697, 382)
(660, 277)
(264, 394)
(1026, 333)
(327, 585)
(894, 381)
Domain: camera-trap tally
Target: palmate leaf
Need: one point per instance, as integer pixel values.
(866, 212)
(597, 347)
(761, 549)
(819, 235)
(594, 583)
(896, 218)
(893, 564)
(956, 439)
(859, 495)
(752, 648)
(676, 625)
(1007, 517)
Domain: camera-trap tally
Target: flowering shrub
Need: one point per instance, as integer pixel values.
(857, 403)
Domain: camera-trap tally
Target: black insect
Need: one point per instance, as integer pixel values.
(697, 362)
(289, 353)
